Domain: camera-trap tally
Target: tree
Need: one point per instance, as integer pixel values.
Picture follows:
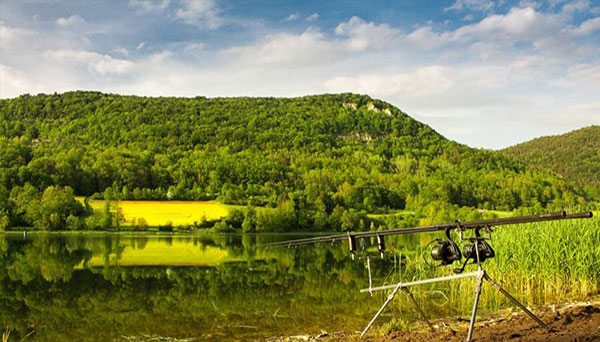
(106, 221)
(56, 204)
(347, 221)
(249, 224)
(72, 223)
(4, 220)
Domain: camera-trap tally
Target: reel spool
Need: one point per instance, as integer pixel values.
(484, 249)
(478, 250)
(446, 251)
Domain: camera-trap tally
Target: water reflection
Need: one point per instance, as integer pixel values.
(104, 287)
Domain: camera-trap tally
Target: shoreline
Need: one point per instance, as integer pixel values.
(575, 321)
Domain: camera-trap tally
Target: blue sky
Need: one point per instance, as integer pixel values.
(484, 73)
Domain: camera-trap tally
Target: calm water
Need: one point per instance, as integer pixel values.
(109, 287)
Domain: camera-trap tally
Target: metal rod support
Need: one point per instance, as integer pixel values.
(389, 299)
(516, 302)
(370, 280)
(480, 274)
(400, 285)
(410, 295)
(475, 303)
(424, 281)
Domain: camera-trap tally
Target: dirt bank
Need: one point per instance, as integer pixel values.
(574, 322)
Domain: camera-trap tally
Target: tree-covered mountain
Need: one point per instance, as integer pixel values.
(321, 160)
(574, 155)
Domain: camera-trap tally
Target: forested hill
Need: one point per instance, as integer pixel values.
(323, 156)
(575, 155)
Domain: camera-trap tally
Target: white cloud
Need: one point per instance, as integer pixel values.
(532, 61)
(285, 48)
(501, 30)
(19, 46)
(157, 58)
(149, 5)
(312, 46)
(201, 13)
(93, 62)
(14, 82)
(587, 27)
(589, 108)
(70, 21)
(473, 5)
(425, 38)
(11, 36)
(312, 17)
(194, 47)
(576, 6)
(292, 17)
(429, 80)
(122, 51)
(362, 35)
(584, 75)
(519, 24)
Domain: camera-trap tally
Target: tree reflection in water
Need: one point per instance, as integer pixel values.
(67, 287)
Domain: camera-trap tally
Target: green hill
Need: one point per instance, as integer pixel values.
(574, 155)
(324, 161)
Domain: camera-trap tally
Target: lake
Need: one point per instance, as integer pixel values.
(119, 287)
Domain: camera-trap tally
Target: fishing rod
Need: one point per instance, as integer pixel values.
(446, 251)
(459, 226)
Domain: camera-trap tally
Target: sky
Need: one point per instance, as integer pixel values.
(484, 73)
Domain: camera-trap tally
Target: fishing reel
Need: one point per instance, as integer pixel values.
(446, 251)
(477, 250)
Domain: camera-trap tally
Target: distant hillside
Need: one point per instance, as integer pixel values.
(575, 155)
(327, 157)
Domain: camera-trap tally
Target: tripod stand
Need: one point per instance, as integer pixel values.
(480, 274)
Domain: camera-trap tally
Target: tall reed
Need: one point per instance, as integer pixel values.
(539, 263)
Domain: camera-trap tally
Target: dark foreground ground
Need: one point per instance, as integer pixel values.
(573, 323)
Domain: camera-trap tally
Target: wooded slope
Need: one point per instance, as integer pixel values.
(312, 154)
(574, 155)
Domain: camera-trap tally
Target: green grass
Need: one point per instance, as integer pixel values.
(392, 213)
(550, 261)
(500, 213)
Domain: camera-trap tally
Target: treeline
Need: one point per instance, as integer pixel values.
(312, 154)
(55, 208)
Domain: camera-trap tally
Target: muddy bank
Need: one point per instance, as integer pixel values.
(573, 322)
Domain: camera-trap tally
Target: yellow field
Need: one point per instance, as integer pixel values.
(161, 212)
